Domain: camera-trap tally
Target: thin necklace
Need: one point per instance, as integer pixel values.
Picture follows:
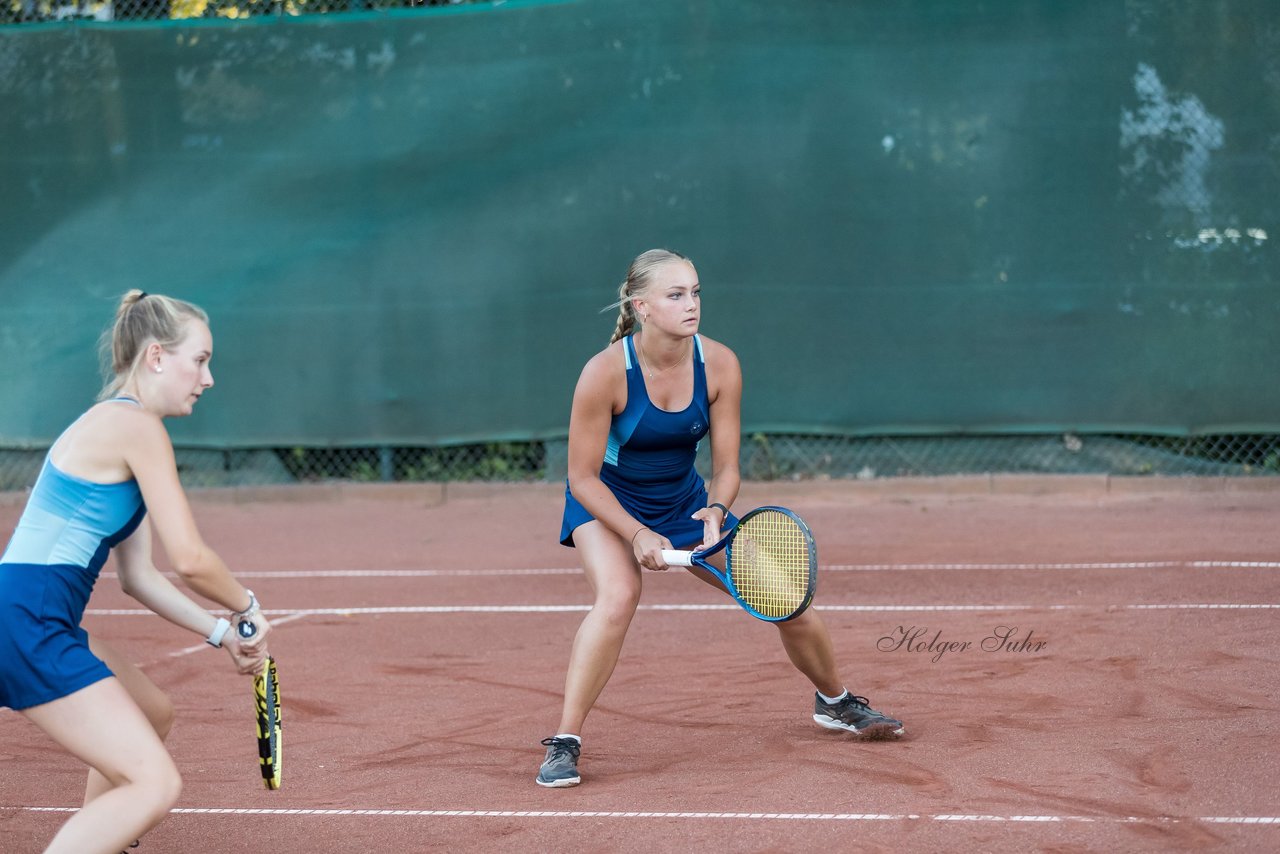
(644, 364)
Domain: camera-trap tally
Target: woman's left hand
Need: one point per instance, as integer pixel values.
(712, 519)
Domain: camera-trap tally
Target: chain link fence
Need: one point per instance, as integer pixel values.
(34, 11)
(764, 457)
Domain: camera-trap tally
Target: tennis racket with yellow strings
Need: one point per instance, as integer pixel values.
(770, 563)
(266, 701)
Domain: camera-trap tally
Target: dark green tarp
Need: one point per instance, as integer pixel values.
(908, 217)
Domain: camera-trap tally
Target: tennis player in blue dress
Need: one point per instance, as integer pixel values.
(640, 408)
(103, 477)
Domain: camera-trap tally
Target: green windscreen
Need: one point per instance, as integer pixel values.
(920, 216)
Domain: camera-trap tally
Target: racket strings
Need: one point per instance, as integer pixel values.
(770, 563)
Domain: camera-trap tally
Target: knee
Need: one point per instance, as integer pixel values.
(618, 605)
(166, 785)
(155, 782)
(161, 718)
(172, 790)
(807, 622)
(159, 776)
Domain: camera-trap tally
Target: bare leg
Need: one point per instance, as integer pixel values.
(806, 640)
(150, 699)
(615, 579)
(808, 645)
(103, 727)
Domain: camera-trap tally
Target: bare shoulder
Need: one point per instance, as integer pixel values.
(606, 367)
(603, 382)
(148, 451)
(102, 443)
(718, 356)
(129, 422)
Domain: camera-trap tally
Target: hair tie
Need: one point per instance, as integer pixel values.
(141, 297)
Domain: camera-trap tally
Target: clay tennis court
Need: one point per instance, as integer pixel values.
(422, 634)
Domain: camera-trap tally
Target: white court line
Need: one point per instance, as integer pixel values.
(404, 573)
(1234, 564)
(1153, 564)
(1193, 607)
(834, 567)
(387, 573)
(775, 816)
(558, 609)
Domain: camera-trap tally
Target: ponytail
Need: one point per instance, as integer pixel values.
(626, 315)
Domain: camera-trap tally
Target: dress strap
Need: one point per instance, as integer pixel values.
(700, 376)
(629, 352)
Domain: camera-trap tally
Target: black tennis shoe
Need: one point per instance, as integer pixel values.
(560, 768)
(853, 714)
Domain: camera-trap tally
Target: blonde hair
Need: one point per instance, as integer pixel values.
(639, 278)
(140, 319)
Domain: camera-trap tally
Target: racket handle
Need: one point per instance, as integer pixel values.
(246, 629)
(673, 557)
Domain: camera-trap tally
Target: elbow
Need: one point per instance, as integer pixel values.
(577, 482)
(127, 586)
(135, 577)
(190, 564)
(728, 475)
(188, 572)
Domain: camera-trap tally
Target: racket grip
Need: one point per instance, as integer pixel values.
(246, 629)
(674, 557)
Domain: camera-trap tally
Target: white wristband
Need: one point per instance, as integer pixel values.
(220, 629)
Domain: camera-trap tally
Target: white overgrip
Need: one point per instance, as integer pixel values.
(675, 557)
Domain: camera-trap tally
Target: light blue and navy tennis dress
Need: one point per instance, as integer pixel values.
(648, 463)
(46, 575)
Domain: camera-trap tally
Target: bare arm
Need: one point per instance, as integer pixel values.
(150, 458)
(601, 392)
(594, 401)
(724, 383)
(149, 455)
(140, 579)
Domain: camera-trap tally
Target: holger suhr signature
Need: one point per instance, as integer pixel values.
(918, 639)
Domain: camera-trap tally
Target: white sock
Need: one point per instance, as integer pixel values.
(827, 699)
(578, 738)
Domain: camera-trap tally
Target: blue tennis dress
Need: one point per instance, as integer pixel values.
(46, 575)
(648, 462)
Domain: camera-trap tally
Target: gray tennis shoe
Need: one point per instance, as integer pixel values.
(853, 714)
(560, 768)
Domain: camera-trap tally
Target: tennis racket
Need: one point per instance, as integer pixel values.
(771, 563)
(266, 701)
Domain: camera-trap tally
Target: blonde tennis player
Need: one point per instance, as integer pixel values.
(103, 477)
(640, 409)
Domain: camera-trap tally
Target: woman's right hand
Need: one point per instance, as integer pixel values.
(648, 546)
(248, 653)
